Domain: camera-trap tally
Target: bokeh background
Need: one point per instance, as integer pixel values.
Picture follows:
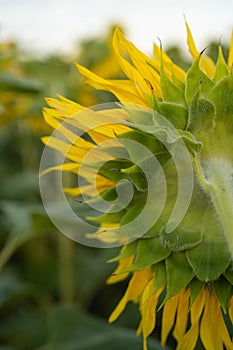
(52, 290)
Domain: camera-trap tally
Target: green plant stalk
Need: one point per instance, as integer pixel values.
(65, 254)
(66, 269)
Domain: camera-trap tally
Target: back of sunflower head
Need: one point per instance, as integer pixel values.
(156, 172)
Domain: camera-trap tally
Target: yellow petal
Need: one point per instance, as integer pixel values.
(206, 337)
(117, 276)
(108, 67)
(230, 57)
(223, 332)
(139, 330)
(206, 62)
(133, 292)
(99, 137)
(169, 312)
(69, 151)
(190, 338)
(111, 130)
(77, 154)
(169, 67)
(51, 117)
(182, 315)
(231, 309)
(191, 43)
(119, 309)
(106, 236)
(65, 106)
(86, 172)
(135, 53)
(73, 138)
(209, 330)
(104, 122)
(77, 191)
(207, 65)
(137, 283)
(140, 60)
(70, 167)
(130, 71)
(147, 309)
(99, 125)
(197, 307)
(124, 90)
(148, 306)
(97, 183)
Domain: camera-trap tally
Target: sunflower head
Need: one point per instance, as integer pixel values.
(159, 169)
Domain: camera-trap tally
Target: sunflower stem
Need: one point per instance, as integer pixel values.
(66, 269)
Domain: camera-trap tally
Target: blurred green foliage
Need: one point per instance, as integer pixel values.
(52, 290)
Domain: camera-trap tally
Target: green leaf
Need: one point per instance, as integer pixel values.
(195, 287)
(206, 83)
(165, 134)
(109, 194)
(147, 140)
(111, 169)
(177, 82)
(192, 81)
(136, 176)
(223, 290)
(157, 227)
(179, 274)
(71, 329)
(129, 250)
(196, 81)
(139, 115)
(228, 274)
(179, 239)
(175, 113)
(133, 211)
(209, 259)
(221, 69)
(137, 151)
(160, 275)
(201, 117)
(149, 251)
(190, 140)
(117, 152)
(109, 218)
(170, 92)
(222, 97)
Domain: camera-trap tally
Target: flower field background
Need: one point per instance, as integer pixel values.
(52, 290)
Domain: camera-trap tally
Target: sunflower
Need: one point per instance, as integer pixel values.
(181, 266)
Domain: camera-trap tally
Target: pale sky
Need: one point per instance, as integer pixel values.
(47, 26)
